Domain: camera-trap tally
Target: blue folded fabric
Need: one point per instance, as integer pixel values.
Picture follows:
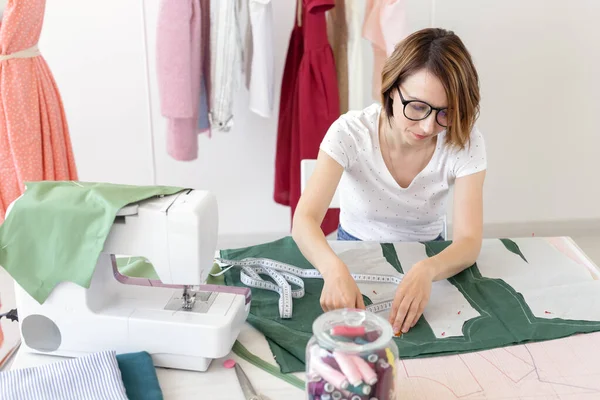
(139, 376)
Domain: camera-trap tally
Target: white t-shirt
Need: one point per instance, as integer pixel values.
(373, 207)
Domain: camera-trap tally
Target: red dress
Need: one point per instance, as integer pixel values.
(309, 104)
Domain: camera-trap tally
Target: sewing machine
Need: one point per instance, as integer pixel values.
(182, 323)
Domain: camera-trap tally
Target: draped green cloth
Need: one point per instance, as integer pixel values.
(55, 232)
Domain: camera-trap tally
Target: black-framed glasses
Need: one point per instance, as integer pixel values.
(417, 110)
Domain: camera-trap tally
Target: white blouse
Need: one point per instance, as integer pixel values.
(226, 59)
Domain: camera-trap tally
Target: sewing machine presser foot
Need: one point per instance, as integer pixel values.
(191, 301)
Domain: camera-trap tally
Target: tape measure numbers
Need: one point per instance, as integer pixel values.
(285, 274)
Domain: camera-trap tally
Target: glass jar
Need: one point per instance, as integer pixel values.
(351, 356)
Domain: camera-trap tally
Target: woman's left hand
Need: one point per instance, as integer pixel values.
(411, 297)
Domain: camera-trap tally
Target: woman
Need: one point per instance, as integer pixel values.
(398, 162)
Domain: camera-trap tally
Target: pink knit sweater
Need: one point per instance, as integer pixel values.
(179, 70)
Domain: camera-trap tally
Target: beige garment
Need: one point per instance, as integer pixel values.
(226, 61)
(357, 85)
(337, 33)
(384, 26)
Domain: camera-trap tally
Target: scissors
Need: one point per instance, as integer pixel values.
(249, 392)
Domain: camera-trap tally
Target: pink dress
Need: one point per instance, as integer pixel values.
(384, 26)
(179, 54)
(35, 144)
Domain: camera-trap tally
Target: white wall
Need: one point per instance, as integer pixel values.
(538, 62)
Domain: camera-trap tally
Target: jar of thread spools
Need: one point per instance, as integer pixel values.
(351, 356)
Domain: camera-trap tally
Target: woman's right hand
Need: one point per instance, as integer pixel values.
(340, 291)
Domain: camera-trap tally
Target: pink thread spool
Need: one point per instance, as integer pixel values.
(348, 367)
(325, 371)
(352, 350)
(348, 331)
(368, 374)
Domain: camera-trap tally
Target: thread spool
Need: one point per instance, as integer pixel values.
(348, 368)
(367, 373)
(354, 353)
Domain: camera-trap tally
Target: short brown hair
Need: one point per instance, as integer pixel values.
(442, 53)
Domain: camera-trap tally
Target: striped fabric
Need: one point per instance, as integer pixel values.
(93, 377)
(225, 58)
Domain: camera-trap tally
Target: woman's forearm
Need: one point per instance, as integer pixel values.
(313, 245)
(458, 256)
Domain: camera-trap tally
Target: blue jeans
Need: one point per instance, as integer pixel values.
(343, 235)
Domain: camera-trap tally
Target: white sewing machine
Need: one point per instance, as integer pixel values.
(180, 322)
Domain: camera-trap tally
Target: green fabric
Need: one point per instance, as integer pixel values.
(56, 231)
(136, 267)
(512, 247)
(139, 376)
(139, 267)
(242, 352)
(215, 280)
(505, 317)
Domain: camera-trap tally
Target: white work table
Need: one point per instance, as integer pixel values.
(217, 383)
(559, 369)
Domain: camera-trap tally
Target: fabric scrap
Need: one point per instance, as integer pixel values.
(139, 376)
(94, 377)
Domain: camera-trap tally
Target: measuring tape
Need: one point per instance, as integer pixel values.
(283, 274)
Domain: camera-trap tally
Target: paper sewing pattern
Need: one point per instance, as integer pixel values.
(450, 374)
(368, 258)
(447, 309)
(552, 283)
(559, 369)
